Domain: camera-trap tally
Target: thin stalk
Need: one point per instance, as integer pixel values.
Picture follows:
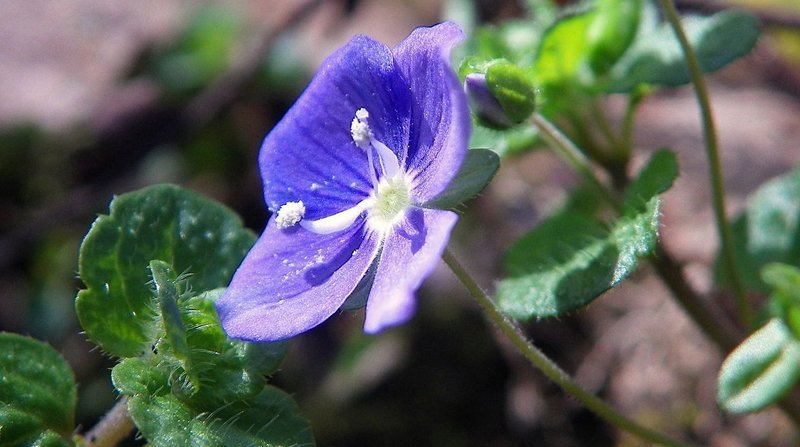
(571, 155)
(710, 322)
(671, 274)
(743, 306)
(605, 127)
(628, 121)
(115, 426)
(548, 367)
(666, 268)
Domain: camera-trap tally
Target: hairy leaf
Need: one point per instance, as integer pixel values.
(163, 222)
(571, 258)
(271, 419)
(37, 393)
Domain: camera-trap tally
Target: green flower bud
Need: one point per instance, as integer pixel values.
(502, 97)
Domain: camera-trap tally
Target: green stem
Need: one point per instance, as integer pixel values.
(599, 117)
(628, 121)
(667, 269)
(115, 426)
(710, 322)
(712, 151)
(547, 366)
(571, 155)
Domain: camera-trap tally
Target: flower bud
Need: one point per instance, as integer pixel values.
(483, 103)
(502, 97)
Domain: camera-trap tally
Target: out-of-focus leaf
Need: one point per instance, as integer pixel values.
(202, 53)
(784, 301)
(164, 222)
(760, 370)
(563, 52)
(37, 394)
(768, 230)
(504, 142)
(656, 58)
(611, 32)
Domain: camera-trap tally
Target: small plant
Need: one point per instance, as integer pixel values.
(364, 178)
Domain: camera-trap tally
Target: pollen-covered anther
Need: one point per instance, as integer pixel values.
(290, 214)
(360, 130)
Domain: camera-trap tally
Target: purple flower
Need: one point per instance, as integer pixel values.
(347, 173)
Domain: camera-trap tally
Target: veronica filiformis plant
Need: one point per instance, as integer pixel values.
(347, 174)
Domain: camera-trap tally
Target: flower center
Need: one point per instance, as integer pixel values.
(385, 206)
(392, 199)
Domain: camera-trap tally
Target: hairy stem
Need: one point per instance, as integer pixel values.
(115, 426)
(547, 366)
(712, 151)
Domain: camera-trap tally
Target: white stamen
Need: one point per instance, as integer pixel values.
(339, 221)
(289, 214)
(360, 130)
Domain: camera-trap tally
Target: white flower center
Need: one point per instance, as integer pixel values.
(386, 204)
(392, 199)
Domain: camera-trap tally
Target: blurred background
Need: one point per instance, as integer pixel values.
(101, 97)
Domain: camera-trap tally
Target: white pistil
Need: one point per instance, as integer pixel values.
(389, 163)
(289, 214)
(385, 206)
(365, 139)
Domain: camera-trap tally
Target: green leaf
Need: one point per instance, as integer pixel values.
(571, 258)
(563, 51)
(163, 222)
(784, 280)
(228, 369)
(136, 376)
(612, 31)
(656, 58)
(655, 178)
(165, 280)
(513, 40)
(504, 142)
(37, 393)
(205, 367)
(768, 230)
(784, 301)
(271, 419)
(201, 53)
(476, 172)
(760, 370)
